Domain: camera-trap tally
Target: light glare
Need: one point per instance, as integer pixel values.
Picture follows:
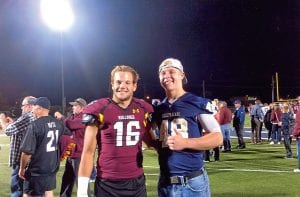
(57, 14)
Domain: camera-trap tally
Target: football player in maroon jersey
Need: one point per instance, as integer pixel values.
(117, 127)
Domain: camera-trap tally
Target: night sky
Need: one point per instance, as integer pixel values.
(233, 46)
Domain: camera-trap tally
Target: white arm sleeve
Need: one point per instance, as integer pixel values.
(209, 123)
(83, 183)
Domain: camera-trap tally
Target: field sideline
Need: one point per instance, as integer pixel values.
(259, 170)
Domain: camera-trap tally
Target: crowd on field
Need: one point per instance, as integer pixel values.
(278, 118)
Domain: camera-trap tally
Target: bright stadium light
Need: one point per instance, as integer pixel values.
(57, 14)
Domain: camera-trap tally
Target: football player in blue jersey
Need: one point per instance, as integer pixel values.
(181, 118)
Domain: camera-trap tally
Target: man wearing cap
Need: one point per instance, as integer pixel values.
(73, 123)
(181, 118)
(238, 123)
(16, 130)
(40, 151)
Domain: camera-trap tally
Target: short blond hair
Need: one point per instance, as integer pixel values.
(124, 68)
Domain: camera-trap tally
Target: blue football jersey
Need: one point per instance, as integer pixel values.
(182, 116)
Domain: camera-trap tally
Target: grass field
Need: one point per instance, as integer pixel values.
(259, 170)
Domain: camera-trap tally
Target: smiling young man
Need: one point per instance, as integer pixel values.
(181, 118)
(116, 126)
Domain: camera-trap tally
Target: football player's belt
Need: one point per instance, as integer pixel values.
(183, 179)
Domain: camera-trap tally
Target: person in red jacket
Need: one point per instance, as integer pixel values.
(296, 134)
(276, 124)
(73, 123)
(224, 117)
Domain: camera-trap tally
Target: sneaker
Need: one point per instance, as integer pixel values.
(271, 142)
(297, 170)
(241, 147)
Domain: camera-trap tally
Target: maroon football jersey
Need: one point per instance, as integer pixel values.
(120, 137)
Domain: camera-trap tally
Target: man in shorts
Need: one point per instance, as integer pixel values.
(40, 157)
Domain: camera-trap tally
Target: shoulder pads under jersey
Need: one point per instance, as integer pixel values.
(88, 119)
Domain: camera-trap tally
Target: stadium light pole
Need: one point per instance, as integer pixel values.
(58, 16)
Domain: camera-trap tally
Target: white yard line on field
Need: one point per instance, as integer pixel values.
(151, 174)
(250, 170)
(155, 167)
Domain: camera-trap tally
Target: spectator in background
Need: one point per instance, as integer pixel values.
(267, 121)
(276, 124)
(224, 118)
(296, 106)
(296, 134)
(17, 130)
(216, 151)
(5, 119)
(40, 158)
(238, 123)
(74, 124)
(257, 121)
(287, 119)
(214, 106)
(264, 108)
(252, 123)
